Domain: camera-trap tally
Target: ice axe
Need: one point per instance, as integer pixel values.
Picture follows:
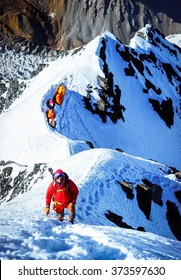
(51, 172)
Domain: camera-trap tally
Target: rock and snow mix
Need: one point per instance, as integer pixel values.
(125, 102)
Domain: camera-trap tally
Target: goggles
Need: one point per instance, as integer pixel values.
(59, 175)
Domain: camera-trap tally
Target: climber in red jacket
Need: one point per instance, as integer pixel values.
(64, 193)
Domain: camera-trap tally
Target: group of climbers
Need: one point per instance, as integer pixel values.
(57, 99)
(62, 191)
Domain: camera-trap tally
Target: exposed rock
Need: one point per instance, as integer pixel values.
(7, 171)
(119, 150)
(118, 220)
(165, 110)
(109, 105)
(90, 144)
(127, 187)
(139, 66)
(16, 179)
(144, 195)
(178, 175)
(18, 66)
(156, 194)
(174, 219)
(178, 195)
(70, 24)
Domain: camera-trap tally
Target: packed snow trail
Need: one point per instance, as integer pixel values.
(26, 233)
(50, 240)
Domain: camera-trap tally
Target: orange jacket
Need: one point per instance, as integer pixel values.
(59, 95)
(64, 194)
(59, 98)
(50, 114)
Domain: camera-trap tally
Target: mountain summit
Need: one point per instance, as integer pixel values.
(118, 96)
(66, 25)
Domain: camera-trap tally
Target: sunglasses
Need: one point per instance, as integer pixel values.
(60, 177)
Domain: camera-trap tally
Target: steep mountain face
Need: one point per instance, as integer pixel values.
(131, 93)
(17, 179)
(20, 61)
(123, 98)
(140, 66)
(134, 90)
(69, 24)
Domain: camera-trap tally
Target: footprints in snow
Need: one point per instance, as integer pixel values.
(91, 198)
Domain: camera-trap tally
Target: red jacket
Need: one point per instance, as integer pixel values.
(63, 194)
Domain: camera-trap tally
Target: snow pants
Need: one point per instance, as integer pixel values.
(59, 208)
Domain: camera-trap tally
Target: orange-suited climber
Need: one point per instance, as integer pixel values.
(51, 117)
(59, 95)
(63, 192)
(51, 114)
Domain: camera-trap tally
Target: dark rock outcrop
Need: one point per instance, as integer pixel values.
(127, 187)
(174, 219)
(143, 195)
(69, 24)
(118, 220)
(17, 179)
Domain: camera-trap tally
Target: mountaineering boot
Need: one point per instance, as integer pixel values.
(60, 218)
(71, 220)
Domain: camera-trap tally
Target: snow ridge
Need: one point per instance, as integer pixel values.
(117, 136)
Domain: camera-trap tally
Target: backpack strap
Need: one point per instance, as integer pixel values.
(62, 189)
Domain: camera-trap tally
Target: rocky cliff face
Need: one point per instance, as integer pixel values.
(17, 179)
(67, 24)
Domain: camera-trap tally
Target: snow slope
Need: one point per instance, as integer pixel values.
(138, 129)
(131, 125)
(27, 234)
(175, 39)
